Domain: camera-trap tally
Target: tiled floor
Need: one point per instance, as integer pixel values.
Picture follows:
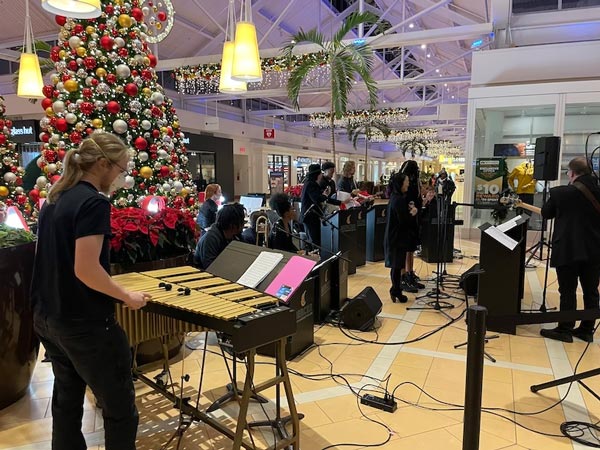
(427, 377)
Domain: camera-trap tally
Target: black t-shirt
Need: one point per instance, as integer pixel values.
(56, 291)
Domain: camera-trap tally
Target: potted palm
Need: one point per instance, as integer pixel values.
(346, 61)
(367, 128)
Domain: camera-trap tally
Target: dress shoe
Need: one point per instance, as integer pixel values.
(398, 297)
(558, 334)
(407, 284)
(584, 335)
(415, 280)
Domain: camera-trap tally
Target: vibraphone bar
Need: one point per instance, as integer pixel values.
(186, 299)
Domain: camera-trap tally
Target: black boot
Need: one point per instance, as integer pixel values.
(415, 280)
(398, 297)
(407, 284)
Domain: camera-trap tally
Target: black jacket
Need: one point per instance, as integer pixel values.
(399, 232)
(207, 214)
(312, 194)
(281, 239)
(576, 236)
(328, 182)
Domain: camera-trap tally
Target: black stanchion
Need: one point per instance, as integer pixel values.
(474, 380)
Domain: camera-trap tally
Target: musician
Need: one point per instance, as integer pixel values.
(575, 246)
(445, 185)
(397, 233)
(410, 280)
(73, 297)
(228, 226)
(346, 182)
(327, 181)
(208, 211)
(250, 234)
(311, 200)
(281, 233)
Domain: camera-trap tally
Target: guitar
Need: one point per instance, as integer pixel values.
(513, 201)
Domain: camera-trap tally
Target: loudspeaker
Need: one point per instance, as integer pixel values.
(546, 161)
(359, 313)
(469, 281)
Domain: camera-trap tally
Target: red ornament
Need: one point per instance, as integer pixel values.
(50, 156)
(61, 154)
(89, 62)
(46, 103)
(155, 134)
(153, 60)
(133, 123)
(111, 78)
(153, 148)
(21, 199)
(156, 111)
(152, 190)
(89, 130)
(54, 179)
(61, 125)
(140, 143)
(87, 92)
(174, 159)
(102, 26)
(191, 201)
(146, 74)
(54, 54)
(78, 28)
(48, 91)
(2, 139)
(109, 9)
(137, 14)
(75, 138)
(94, 82)
(86, 108)
(60, 20)
(142, 186)
(113, 107)
(73, 65)
(134, 173)
(44, 137)
(123, 52)
(2, 123)
(34, 195)
(131, 89)
(162, 16)
(164, 171)
(107, 42)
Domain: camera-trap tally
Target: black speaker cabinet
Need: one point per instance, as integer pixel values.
(360, 312)
(469, 280)
(546, 161)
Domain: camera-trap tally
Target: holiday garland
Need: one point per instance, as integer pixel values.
(360, 116)
(105, 80)
(11, 173)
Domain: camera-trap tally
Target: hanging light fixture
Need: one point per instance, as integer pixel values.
(226, 83)
(77, 9)
(246, 60)
(30, 75)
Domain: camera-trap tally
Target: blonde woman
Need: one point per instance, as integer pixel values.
(73, 297)
(346, 183)
(208, 211)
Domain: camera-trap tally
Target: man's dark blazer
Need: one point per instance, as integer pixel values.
(576, 236)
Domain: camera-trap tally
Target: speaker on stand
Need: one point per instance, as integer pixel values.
(360, 312)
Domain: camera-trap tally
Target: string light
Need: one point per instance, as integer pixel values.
(356, 117)
(406, 134)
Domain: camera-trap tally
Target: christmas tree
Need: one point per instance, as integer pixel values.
(105, 79)
(11, 192)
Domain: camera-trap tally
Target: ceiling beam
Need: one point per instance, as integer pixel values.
(384, 41)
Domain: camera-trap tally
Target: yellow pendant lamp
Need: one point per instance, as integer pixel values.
(246, 60)
(226, 83)
(77, 9)
(30, 82)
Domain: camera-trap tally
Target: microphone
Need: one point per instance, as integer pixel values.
(304, 213)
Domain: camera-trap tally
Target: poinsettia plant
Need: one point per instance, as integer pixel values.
(141, 236)
(295, 192)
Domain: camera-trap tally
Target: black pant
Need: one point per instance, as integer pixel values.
(396, 277)
(96, 354)
(312, 226)
(588, 275)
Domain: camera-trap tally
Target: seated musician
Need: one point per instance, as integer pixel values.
(228, 226)
(281, 234)
(250, 234)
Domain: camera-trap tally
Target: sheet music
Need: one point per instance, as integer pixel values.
(343, 196)
(260, 268)
(509, 224)
(499, 236)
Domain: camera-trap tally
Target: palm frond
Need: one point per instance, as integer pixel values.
(311, 36)
(351, 22)
(341, 83)
(296, 78)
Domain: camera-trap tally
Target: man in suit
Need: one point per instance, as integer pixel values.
(575, 246)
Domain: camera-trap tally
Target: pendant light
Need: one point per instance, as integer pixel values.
(246, 60)
(77, 9)
(226, 83)
(30, 82)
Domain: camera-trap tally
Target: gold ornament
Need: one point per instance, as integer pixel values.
(62, 54)
(54, 79)
(49, 111)
(90, 29)
(184, 192)
(175, 124)
(119, 2)
(100, 72)
(146, 61)
(125, 20)
(43, 194)
(146, 172)
(97, 123)
(81, 52)
(163, 130)
(3, 191)
(158, 25)
(147, 92)
(71, 85)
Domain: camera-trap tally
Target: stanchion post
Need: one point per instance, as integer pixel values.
(474, 379)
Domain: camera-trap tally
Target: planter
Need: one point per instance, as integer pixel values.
(151, 351)
(18, 343)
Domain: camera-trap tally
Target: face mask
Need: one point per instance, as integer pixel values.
(117, 183)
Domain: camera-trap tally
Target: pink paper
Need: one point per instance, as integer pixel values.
(290, 278)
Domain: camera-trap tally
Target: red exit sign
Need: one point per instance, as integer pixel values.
(269, 133)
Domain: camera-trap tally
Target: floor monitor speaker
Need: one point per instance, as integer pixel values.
(360, 312)
(469, 281)
(546, 161)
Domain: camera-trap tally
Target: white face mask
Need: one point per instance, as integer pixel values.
(117, 183)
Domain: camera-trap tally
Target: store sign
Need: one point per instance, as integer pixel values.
(269, 133)
(303, 160)
(24, 131)
(489, 176)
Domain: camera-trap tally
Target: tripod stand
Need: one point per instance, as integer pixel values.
(542, 242)
(442, 202)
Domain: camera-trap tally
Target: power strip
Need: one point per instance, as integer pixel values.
(374, 401)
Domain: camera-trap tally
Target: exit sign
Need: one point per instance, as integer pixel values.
(269, 133)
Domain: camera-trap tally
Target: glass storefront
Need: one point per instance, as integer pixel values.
(278, 172)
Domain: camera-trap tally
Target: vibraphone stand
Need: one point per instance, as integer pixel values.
(233, 391)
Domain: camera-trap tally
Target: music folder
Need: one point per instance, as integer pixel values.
(498, 235)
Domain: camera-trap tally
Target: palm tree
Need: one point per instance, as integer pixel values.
(413, 145)
(345, 62)
(367, 128)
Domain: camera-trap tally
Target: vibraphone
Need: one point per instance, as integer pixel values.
(185, 299)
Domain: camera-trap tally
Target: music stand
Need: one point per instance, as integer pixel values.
(570, 379)
(437, 293)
